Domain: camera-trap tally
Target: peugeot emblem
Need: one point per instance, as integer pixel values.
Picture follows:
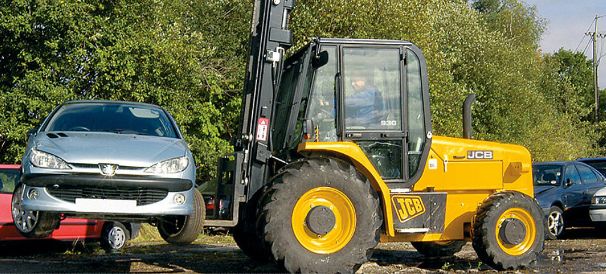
(108, 169)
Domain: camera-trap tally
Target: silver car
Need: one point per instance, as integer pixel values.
(109, 160)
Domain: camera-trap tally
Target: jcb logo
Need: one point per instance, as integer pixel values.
(408, 207)
(479, 154)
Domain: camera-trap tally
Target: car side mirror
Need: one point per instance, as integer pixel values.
(568, 182)
(32, 132)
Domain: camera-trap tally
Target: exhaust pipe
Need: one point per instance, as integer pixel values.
(467, 128)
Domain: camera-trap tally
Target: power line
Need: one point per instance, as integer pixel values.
(583, 38)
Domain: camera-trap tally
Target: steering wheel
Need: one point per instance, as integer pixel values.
(79, 128)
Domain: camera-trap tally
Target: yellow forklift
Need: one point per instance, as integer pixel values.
(335, 154)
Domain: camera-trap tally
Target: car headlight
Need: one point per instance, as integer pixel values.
(47, 160)
(598, 200)
(174, 165)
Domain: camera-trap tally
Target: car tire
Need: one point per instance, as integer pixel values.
(496, 236)
(182, 230)
(554, 224)
(438, 249)
(296, 217)
(31, 224)
(114, 236)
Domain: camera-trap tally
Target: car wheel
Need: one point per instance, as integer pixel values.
(31, 224)
(184, 229)
(555, 223)
(114, 236)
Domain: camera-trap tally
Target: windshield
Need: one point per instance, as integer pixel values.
(547, 174)
(116, 118)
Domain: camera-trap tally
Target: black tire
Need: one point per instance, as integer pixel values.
(246, 235)
(438, 249)
(182, 230)
(114, 236)
(554, 224)
(31, 224)
(522, 211)
(353, 199)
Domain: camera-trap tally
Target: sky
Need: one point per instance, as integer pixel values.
(567, 22)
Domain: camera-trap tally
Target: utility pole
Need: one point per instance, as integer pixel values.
(596, 61)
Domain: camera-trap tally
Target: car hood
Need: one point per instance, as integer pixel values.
(538, 190)
(121, 149)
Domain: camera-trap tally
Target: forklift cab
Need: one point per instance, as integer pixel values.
(374, 93)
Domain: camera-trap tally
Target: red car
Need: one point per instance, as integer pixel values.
(112, 235)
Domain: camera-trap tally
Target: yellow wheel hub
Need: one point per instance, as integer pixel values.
(324, 220)
(515, 231)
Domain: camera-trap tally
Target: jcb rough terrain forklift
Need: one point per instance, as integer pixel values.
(336, 154)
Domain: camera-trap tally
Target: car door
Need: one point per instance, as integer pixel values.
(572, 196)
(591, 182)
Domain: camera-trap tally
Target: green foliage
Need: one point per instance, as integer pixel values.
(190, 58)
(160, 52)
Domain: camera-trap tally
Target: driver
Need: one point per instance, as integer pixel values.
(362, 103)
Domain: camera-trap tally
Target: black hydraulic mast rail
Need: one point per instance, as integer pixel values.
(269, 39)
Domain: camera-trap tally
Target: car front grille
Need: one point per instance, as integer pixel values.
(142, 196)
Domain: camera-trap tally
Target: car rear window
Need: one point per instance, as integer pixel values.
(599, 165)
(116, 118)
(547, 174)
(8, 180)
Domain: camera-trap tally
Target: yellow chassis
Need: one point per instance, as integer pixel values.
(467, 182)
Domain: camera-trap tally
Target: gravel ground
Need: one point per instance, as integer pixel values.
(583, 251)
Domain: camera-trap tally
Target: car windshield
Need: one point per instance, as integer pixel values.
(600, 165)
(116, 118)
(8, 179)
(547, 174)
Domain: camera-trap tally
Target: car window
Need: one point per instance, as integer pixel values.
(116, 118)
(8, 179)
(547, 174)
(597, 164)
(572, 174)
(587, 176)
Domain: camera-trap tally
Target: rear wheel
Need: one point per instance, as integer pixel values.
(31, 224)
(317, 211)
(508, 230)
(438, 249)
(184, 229)
(114, 236)
(555, 223)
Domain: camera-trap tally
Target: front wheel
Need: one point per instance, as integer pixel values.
(508, 230)
(183, 230)
(31, 224)
(321, 216)
(555, 223)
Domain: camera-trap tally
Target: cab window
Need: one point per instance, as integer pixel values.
(372, 88)
(322, 103)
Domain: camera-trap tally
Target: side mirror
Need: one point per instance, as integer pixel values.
(32, 132)
(568, 182)
(320, 59)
